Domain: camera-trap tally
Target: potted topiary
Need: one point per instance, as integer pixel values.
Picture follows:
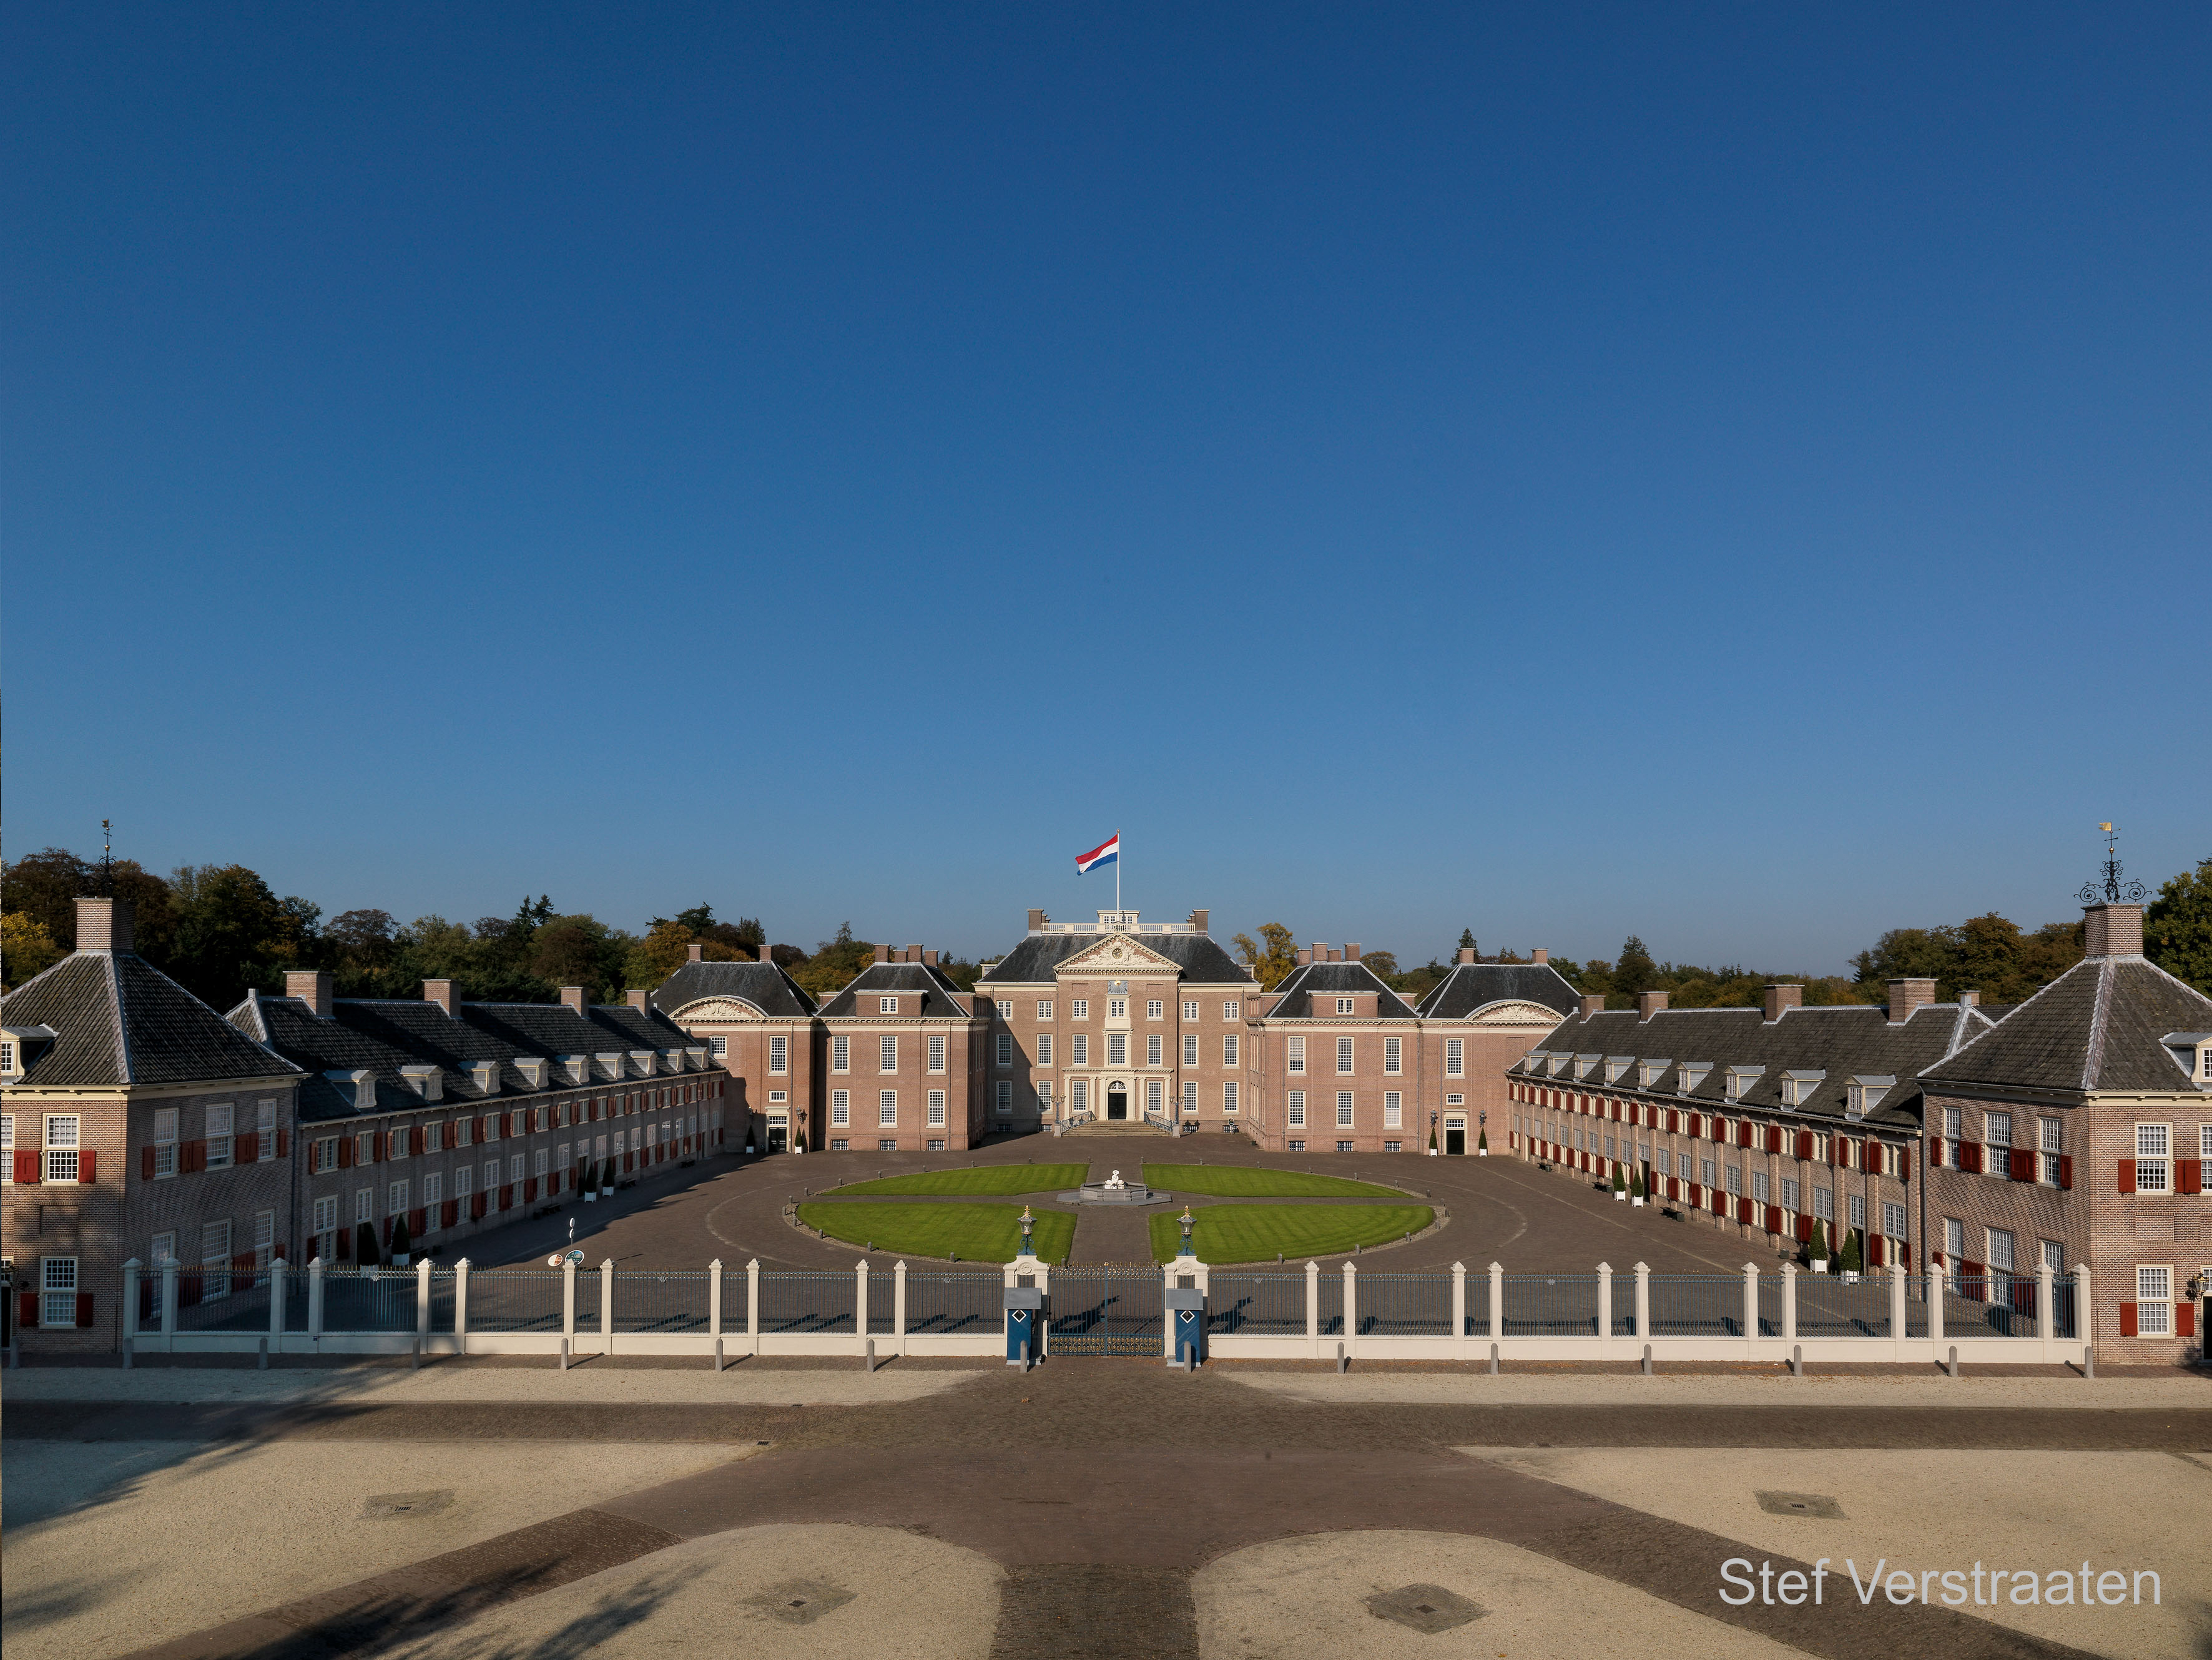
(587, 1182)
(1620, 1185)
(364, 1245)
(1853, 1261)
(1635, 1188)
(1432, 1142)
(1482, 1144)
(400, 1242)
(1816, 1249)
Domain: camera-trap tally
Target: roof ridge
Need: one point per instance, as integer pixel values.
(2093, 1059)
(122, 1025)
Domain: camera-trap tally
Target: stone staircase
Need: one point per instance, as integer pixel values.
(1116, 1127)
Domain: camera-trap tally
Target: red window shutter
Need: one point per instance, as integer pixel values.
(345, 1152)
(27, 1167)
(2066, 1171)
(345, 1244)
(553, 1183)
(387, 1229)
(88, 1167)
(284, 1144)
(417, 1220)
(2127, 1319)
(449, 1213)
(27, 1310)
(2191, 1175)
(507, 1195)
(2184, 1320)
(1876, 1249)
(146, 1164)
(1804, 1230)
(248, 1149)
(1935, 1152)
(1774, 1219)
(2127, 1174)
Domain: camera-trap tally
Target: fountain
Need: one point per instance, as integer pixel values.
(1115, 1191)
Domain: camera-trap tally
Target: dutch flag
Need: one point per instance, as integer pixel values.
(1106, 852)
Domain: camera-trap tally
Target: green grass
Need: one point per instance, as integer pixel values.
(1246, 1181)
(982, 1178)
(974, 1233)
(1254, 1233)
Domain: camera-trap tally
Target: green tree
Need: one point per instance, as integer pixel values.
(2177, 928)
(581, 950)
(1272, 962)
(46, 886)
(1383, 965)
(1634, 971)
(1467, 942)
(25, 948)
(834, 964)
(233, 932)
(1989, 954)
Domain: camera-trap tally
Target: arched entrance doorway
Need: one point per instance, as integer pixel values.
(1117, 1102)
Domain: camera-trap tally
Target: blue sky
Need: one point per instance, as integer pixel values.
(1732, 474)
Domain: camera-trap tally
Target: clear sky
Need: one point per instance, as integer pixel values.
(1735, 474)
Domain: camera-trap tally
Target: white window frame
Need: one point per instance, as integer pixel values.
(220, 1144)
(1078, 1045)
(1232, 1008)
(1044, 1048)
(1231, 1050)
(2153, 1291)
(1345, 1109)
(841, 1109)
(1393, 1111)
(1117, 1049)
(1345, 1057)
(1190, 1008)
(1229, 1100)
(1190, 1049)
(719, 1048)
(887, 1054)
(1044, 1008)
(1344, 1006)
(2154, 1157)
(887, 1006)
(887, 1109)
(1078, 1009)
(58, 1288)
(1394, 1055)
(841, 1053)
(779, 1054)
(1005, 1056)
(937, 1050)
(1155, 1049)
(1155, 1009)
(1454, 1057)
(64, 1143)
(1294, 1054)
(1295, 1109)
(1190, 1096)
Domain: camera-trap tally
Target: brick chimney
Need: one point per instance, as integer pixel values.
(1467, 953)
(443, 994)
(929, 959)
(111, 925)
(637, 999)
(695, 952)
(1539, 957)
(1036, 919)
(1320, 952)
(1906, 995)
(1198, 918)
(1970, 999)
(1593, 1003)
(1305, 955)
(575, 997)
(2113, 930)
(883, 954)
(1352, 952)
(1649, 1003)
(313, 987)
(914, 953)
(1775, 998)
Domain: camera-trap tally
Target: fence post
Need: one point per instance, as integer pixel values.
(130, 1270)
(1789, 1301)
(1751, 1310)
(315, 1300)
(1900, 1320)
(422, 1303)
(752, 1303)
(1167, 1313)
(277, 1276)
(1605, 1310)
(1351, 1308)
(860, 1305)
(1643, 1303)
(1936, 1288)
(607, 1306)
(2085, 1326)
(461, 1306)
(1313, 1310)
(898, 1306)
(568, 1304)
(2046, 1310)
(1459, 1310)
(713, 1301)
(168, 1307)
(1496, 1305)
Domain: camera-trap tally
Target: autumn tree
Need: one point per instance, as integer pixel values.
(1271, 963)
(25, 948)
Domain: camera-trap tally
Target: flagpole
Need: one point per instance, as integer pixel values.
(1117, 870)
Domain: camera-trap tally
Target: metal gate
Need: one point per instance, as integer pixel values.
(1109, 1308)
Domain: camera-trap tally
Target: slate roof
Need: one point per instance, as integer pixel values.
(119, 1019)
(382, 1035)
(1471, 986)
(2097, 1027)
(1844, 1042)
(940, 997)
(763, 985)
(1034, 961)
(1294, 996)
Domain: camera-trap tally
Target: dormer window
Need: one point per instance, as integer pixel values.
(18, 1045)
(1692, 1074)
(644, 1058)
(534, 1072)
(485, 1075)
(887, 1006)
(429, 1083)
(1740, 1080)
(1863, 1093)
(1615, 1065)
(610, 1063)
(2193, 1051)
(1649, 1071)
(1586, 1064)
(1344, 1006)
(1797, 1087)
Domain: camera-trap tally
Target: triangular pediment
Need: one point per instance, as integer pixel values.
(718, 1008)
(1117, 953)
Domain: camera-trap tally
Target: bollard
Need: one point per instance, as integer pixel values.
(1342, 1363)
(1494, 1359)
(1952, 1365)
(1797, 1359)
(564, 1355)
(869, 1363)
(1025, 1357)
(129, 1346)
(414, 1361)
(718, 1354)
(1647, 1360)
(1189, 1360)
(2089, 1362)
(261, 1362)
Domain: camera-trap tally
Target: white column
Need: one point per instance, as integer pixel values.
(1936, 1311)
(130, 1270)
(568, 1304)
(1751, 1309)
(1167, 1315)
(898, 1304)
(752, 1305)
(1789, 1301)
(1642, 1303)
(2046, 1306)
(1351, 1309)
(422, 1300)
(169, 1304)
(607, 1306)
(2085, 1324)
(277, 1275)
(713, 1301)
(314, 1297)
(1605, 1310)
(1496, 1305)
(1313, 1310)
(1900, 1316)
(1459, 1310)
(860, 1306)
(461, 1306)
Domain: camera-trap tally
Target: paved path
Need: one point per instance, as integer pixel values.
(1121, 1508)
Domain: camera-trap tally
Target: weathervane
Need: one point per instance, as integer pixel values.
(106, 859)
(2112, 891)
